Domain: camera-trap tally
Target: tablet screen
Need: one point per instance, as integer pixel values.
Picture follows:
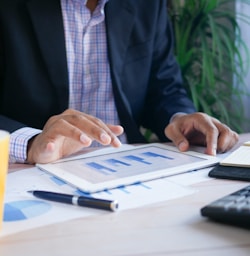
(127, 163)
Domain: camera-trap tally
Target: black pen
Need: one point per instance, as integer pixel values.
(77, 200)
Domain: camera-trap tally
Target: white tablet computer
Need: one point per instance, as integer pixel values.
(93, 173)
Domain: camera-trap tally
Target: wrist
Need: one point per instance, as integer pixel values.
(177, 115)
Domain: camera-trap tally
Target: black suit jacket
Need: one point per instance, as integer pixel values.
(33, 68)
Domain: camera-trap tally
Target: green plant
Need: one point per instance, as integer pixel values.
(208, 43)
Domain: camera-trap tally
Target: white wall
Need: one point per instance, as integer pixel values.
(245, 30)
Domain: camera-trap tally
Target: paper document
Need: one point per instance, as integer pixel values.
(23, 211)
(240, 157)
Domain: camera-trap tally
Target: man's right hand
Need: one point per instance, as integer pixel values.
(69, 132)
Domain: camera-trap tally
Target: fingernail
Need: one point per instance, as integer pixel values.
(214, 151)
(105, 138)
(117, 142)
(84, 139)
(182, 146)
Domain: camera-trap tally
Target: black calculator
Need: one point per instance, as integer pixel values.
(231, 209)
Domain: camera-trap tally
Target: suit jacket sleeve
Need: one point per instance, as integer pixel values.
(33, 66)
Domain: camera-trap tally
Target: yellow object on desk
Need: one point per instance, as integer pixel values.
(4, 156)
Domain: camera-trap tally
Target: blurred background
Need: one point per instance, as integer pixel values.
(212, 46)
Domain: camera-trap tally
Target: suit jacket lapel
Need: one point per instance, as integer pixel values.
(118, 42)
(116, 17)
(48, 25)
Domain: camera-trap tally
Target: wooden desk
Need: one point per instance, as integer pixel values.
(173, 227)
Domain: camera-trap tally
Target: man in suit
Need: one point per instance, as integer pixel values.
(74, 71)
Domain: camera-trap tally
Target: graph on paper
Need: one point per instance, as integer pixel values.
(24, 209)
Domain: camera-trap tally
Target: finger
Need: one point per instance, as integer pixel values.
(205, 126)
(64, 128)
(173, 132)
(105, 133)
(211, 141)
(227, 137)
(116, 129)
(202, 126)
(95, 129)
(194, 128)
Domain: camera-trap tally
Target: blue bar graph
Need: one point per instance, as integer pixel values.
(100, 168)
(136, 158)
(108, 167)
(116, 162)
(151, 154)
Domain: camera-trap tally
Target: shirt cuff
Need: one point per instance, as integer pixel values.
(19, 142)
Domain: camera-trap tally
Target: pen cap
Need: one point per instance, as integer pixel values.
(98, 203)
